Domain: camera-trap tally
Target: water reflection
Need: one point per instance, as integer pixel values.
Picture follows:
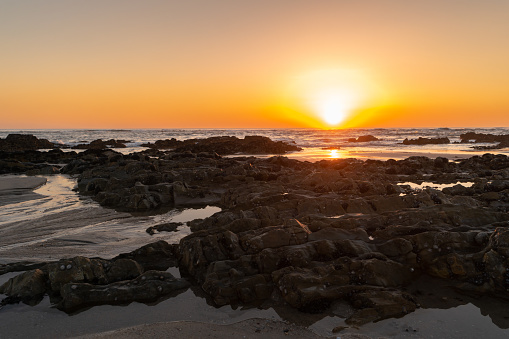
(336, 154)
(415, 186)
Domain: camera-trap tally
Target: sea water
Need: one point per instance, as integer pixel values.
(317, 144)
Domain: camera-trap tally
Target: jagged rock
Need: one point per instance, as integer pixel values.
(21, 142)
(100, 144)
(398, 247)
(499, 241)
(227, 145)
(376, 305)
(123, 269)
(78, 269)
(364, 138)
(155, 256)
(150, 286)
(309, 234)
(503, 140)
(25, 286)
(426, 141)
(166, 227)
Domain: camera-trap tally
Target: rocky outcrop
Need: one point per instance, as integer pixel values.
(364, 138)
(147, 287)
(426, 141)
(166, 227)
(227, 145)
(34, 162)
(502, 140)
(24, 142)
(79, 282)
(100, 144)
(306, 234)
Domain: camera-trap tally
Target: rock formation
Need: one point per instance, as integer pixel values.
(502, 140)
(364, 138)
(426, 141)
(226, 145)
(308, 234)
(100, 144)
(24, 142)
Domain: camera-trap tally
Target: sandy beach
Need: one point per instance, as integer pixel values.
(16, 189)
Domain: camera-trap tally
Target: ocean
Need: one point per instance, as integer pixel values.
(317, 144)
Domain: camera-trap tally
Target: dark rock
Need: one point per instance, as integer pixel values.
(426, 141)
(26, 286)
(100, 144)
(376, 305)
(22, 142)
(155, 256)
(166, 227)
(227, 145)
(307, 234)
(364, 138)
(148, 287)
(502, 140)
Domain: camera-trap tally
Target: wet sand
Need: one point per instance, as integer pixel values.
(53, 222)
(16, 189)
(251, 328)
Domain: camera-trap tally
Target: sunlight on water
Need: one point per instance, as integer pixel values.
(53, 220)
(53, 197)
(440, 187)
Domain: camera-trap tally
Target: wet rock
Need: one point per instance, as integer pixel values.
(364, 138)
(26, 286)
(100, 144)
(227, 145)
(458, 190)
(398, 247)
(166, 227)
(339, 234)
(78, 269)
(490, 196)
(155, 256)
(150, 286)
(308, 234)
(21, 142)
(426, 141)
(123, 269)
(503, 140)
(499, 241)
(376, 305)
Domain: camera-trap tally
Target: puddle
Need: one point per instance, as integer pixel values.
(424, 184)
(174, 271)
(54, 196)
(347, 215)
(186, 215)
(58, 223)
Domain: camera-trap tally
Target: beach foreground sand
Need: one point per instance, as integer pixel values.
(251, 328)
(15, 188)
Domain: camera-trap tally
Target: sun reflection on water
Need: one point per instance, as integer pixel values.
(337, 154)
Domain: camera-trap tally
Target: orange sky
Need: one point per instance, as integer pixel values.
(247, 64)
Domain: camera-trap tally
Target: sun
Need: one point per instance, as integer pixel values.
(331, 98)
(334, 105)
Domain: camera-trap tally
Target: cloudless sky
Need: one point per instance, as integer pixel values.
(240, 63)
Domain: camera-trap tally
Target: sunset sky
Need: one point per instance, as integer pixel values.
(253, 64)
